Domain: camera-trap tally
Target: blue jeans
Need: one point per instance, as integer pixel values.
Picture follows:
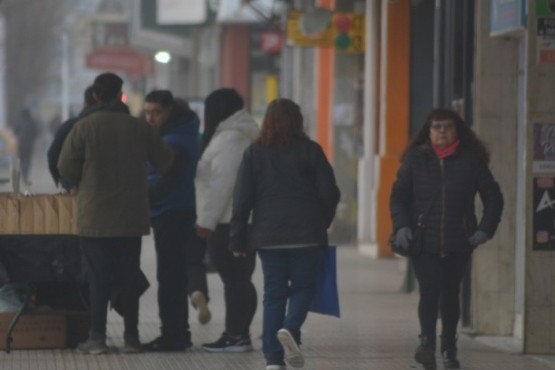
(289, 274)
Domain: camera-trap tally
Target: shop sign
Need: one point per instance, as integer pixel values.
(345, 33)
(546, 40)
(182, 12)
(545, 8)
(296, 38)
(126, 61)
(271, 42)
(544, 148)
(544, 214)
(507, 16)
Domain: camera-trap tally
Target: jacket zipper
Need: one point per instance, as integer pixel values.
(442, 222)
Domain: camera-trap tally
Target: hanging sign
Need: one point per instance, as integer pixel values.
(345, 33)
(296, 38)
(507, 17)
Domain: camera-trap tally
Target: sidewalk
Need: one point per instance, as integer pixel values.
(378, 329)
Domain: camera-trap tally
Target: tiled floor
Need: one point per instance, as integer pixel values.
(377, 330)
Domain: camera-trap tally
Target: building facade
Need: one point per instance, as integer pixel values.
(493, 61)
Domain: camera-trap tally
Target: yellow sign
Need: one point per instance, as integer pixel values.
(349, 32)
(296, 38)
(345, 33)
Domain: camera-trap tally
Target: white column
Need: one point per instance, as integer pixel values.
(367, 164)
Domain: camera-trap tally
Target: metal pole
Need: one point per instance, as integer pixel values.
(3, 122)
(65, 77)
(437, 60)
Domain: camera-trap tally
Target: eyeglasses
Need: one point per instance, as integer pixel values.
(442, 126)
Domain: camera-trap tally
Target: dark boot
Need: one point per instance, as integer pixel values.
(426, 352)
(449, 353)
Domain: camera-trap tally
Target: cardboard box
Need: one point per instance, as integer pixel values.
(35, 331)
(26, 215)
(78, 326)
(3, 214)
(74, 218)
(51, 221)
(12, 220)
(65, 213)
(38, 214)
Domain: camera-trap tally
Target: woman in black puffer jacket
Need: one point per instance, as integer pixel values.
(286, 183)
(442, 170)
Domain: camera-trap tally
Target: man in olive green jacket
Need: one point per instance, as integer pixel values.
(105, 157)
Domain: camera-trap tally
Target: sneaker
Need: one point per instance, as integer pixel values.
(275, 365)
(132, 345)
(227, 343)
(93, 347)
(162, 344)
(293, 355)
(198, 299)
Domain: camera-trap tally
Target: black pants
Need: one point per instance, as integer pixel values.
(235, 272)
(113, 265)
(439, 280)
(196, 267)
(177, 253)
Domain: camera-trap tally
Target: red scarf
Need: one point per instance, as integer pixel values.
(444, 153)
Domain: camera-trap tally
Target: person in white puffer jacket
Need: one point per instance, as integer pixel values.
(229, 130)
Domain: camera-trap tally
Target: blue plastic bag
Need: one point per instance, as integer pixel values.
(326, 297)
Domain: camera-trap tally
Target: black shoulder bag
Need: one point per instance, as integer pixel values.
(417, 242)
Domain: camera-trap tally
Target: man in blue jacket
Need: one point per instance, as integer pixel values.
(173, 215)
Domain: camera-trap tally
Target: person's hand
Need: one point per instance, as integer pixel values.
(478, 238)
(239, 254)
(403, 236)
(203, 232)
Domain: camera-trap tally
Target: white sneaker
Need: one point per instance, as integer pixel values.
(93, 347)
(198, 299)
(276, 367)
(292, 355)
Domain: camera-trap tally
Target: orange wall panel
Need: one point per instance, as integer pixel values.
(234, 59)
(396, 121)
(325, 76)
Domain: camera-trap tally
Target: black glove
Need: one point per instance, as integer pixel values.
(478, 238)
(403, 236)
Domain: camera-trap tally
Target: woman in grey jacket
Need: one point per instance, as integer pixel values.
(287, 184)
(444, 167)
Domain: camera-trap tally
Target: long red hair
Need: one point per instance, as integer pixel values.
(282, 123)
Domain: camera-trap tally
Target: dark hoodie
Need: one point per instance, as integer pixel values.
(175, 190)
